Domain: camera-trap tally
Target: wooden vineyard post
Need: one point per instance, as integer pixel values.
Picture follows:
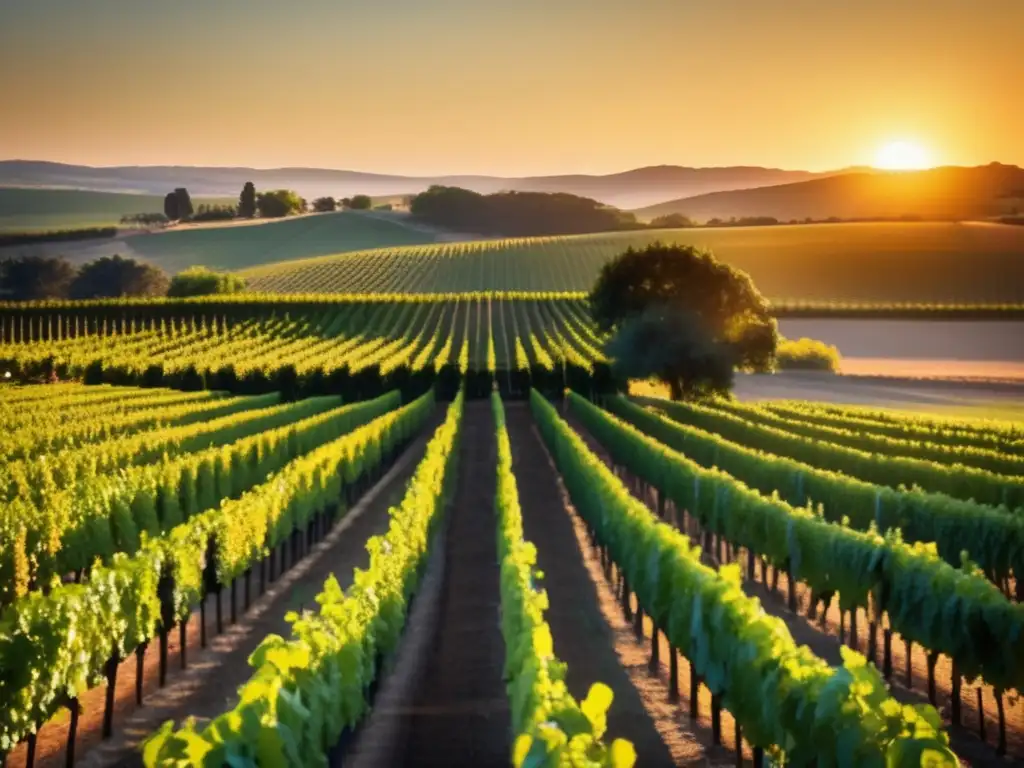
(234, 601)
(981, 715)
(887, 653)
(72, 733)
(220, 614)
(30, 758)
(655, 663)
(673, 674)
(627, 610)
(163, 656)
(790, 589)
(739, 746)
(110, 672)
(909, 647)
(716, 719)
(1001, 746)
(854, 639)
(183, 640)
(638, 621)
(694, 693)
(955, 705)
(202, 621)
(932, 658)
(758, 757)
(873, 642)
(750, 565)
(140, 670)
(247, 599)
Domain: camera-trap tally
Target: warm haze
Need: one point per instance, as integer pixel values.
(464, 86)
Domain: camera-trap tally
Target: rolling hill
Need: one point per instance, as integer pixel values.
(630, 189)
(938, 193)
(244, 244)
(873, 262)
(24, 210)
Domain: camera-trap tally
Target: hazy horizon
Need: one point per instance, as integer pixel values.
(525, 89)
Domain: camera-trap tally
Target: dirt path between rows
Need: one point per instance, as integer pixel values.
(593, 650)
(460, 714)
(209, 683)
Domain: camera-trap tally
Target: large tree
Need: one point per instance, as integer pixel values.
(29, 278)
(114, 276)
(247, 201)
(360, 203)
(185, 208)
(641, 288)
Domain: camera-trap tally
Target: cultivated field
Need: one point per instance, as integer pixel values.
(179, 528)
(914, 262)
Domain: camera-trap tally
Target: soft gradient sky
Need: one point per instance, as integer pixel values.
(513, 87)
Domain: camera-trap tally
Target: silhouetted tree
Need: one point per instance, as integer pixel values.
(184, 203)
(278, 203)
(726, 306)
(360, 203)
(200, 281)
(346, 203)
(675, 346)
(325, 204)
(247, 201)
(171, 206)
(114, 276)
(29, 278)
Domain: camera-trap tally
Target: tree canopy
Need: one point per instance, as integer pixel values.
(714, 308)
(278, 203)
(247, 201)
(360, 203)
(325, 204)
(114, 276)
(675, 346)
(29, 278)
(200, 281)
(517, 213)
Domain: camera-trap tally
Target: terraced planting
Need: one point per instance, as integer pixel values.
(932, 263)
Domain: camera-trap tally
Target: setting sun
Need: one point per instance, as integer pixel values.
(903, 156)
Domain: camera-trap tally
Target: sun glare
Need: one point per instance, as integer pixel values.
(903, 156)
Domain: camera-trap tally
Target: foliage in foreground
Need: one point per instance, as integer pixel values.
(784, 698)
(550, 727)
(308, 689)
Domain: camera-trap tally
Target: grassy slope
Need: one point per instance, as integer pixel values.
(24, 209)
(240, 246)
(927, 262)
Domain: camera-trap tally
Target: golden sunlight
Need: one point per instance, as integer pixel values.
(903, 156)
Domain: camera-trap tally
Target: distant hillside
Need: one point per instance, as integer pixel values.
(630, 189)
(238, 245)
(24, 210)
(950, 192)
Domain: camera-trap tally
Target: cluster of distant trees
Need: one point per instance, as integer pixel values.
(517, 213)
(272, 204)
(34, 278)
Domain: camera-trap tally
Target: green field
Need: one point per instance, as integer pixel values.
(31, 210)
(884, 262)
(242, 245)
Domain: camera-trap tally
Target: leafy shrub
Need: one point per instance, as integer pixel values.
(806, 355)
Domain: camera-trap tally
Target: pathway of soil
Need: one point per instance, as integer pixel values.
(460, 715)
(598, 647)
(209, 684)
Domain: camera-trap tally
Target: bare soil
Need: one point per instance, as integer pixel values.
(460, 715)
(208, 685)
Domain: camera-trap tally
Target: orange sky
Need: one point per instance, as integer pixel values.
(512, 88)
